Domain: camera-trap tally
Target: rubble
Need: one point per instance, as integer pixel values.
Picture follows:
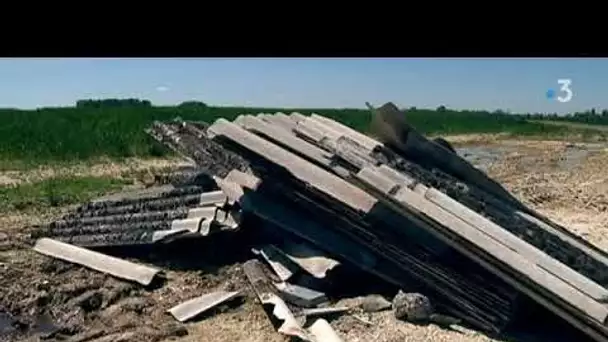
(300, 295)
(404, 211)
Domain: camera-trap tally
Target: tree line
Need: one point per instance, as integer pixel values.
(591, 116)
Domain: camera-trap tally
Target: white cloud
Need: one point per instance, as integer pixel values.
(162, 89)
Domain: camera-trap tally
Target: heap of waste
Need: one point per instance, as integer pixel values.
(405, 210)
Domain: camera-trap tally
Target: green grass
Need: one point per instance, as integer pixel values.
(67, 134)
(56, 192)
(576, 125)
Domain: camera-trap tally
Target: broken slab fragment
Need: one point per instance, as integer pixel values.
(265, 291)
(281, 265)
(195, 306)
(311, 312)
(323, 332)
(309, 258)
(191, 224)
(202, 212)
(300, 295)
(212, 198)
(281, 312)
(97, 261)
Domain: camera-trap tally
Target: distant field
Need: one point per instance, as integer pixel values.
(65, 134)
(575, 125)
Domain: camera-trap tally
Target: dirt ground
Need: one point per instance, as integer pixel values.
(565, 181)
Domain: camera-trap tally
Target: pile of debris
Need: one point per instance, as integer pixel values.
(407, 211)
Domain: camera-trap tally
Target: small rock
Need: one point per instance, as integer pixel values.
(413, 307)
(90, 301)
(374, 303)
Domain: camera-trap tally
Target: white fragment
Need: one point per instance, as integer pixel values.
(202, 212)
(191, 224)
(97, 261)
(323, 332)
(282, 266)
(212, 198)
(195, 306)
(310, 259)
(290, 326)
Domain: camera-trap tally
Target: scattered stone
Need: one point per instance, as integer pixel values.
(90, 301)
(374, 303)
(413, 307)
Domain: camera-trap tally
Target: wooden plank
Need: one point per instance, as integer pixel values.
(565, 292)
(518, 245)
(329, 184)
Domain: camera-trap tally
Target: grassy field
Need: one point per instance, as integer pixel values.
(575, 125)
(70, 133)
(56, 192)
(88, 135)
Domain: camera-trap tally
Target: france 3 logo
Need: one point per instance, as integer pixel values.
(565, 91)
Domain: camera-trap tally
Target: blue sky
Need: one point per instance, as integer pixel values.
(518, 85)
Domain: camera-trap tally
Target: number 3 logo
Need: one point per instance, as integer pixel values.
(565, 83)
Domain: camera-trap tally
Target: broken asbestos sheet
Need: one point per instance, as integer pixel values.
(195, 306)
(97, 261)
